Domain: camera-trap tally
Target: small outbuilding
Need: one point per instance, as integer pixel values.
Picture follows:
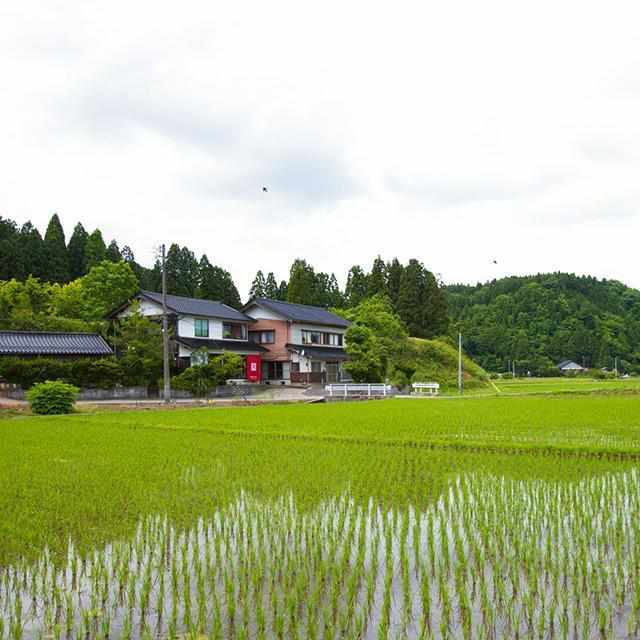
(29, 344)
(569, 366)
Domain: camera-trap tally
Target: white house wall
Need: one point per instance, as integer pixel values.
(260, 313)
(146, 308)
(187, 328)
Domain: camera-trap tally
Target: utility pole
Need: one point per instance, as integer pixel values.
(165, 334)
(460, 382)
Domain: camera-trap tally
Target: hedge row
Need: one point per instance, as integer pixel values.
(105, 373)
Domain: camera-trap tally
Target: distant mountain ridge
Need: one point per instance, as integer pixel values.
(542, 319)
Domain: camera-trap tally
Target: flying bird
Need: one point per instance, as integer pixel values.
(264, 189)
(495, 262)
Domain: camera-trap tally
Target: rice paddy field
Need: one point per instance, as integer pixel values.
(572, 385)
(505, 517)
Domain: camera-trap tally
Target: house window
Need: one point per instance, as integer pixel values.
(332, 339)
(319, 337)
(316, 367)
(234, 331)
(274, 371)
(262, 337)
(311, 337)
(201, 328)
(295, 367)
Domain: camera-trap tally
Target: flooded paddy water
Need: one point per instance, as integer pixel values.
(491, 557)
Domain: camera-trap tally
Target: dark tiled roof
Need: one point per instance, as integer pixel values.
(54, 344)
(222, 345)
(319, 353)
(301, 312)
(197, 307)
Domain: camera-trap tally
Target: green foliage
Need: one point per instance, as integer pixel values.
(95, 250)
(271, 289)
(540, 320)
(377, 279)
(104, 373)
(138, 343)
(379, 347)
(421, 302)
(76, 249)
(113, 252)
(302, 283)
(258, 286)
(91, 297)
(52, 397)
(214, 283)
(200, 379)
(365, 362)
(55, 251)
(28, 306)
(356, 289)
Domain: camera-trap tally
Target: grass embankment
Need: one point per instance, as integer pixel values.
(437, 361)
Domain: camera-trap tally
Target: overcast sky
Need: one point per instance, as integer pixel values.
(454, 132)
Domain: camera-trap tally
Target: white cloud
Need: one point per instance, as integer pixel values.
(456, 132)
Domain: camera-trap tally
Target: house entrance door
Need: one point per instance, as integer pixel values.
(332, 372)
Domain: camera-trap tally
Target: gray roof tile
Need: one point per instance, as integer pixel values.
(301, 312)
(52, 343)
(198, 307)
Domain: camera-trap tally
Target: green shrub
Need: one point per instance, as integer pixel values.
(103, 373)
(52, 397)
(28, 371)
(399, 379)
(97, 374)
(200, 379)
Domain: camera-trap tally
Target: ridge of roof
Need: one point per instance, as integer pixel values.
(301, 312)
(197, 306)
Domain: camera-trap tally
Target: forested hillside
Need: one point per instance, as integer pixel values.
(540, 320)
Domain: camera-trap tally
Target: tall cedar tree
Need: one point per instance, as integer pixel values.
(76, 250)
(55, 250)
(421, 302)
(356, 289)
(394, 275)
(188, 272)
(127, 255)
(214, 283)
(8, 249)
(283, 290)
(113, 252)
(95, 250)
(258, 286)
(302, 283)
(271, 287)
(412, 299)
(31, 253)
(437, 308)
(377, 279)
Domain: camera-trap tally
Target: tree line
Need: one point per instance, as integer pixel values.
(537, 321)
(414, 291)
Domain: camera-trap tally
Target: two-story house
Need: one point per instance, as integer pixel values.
(198, 327)
(304, 343)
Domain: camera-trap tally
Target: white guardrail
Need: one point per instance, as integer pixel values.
(430, 388)
(347, 389)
